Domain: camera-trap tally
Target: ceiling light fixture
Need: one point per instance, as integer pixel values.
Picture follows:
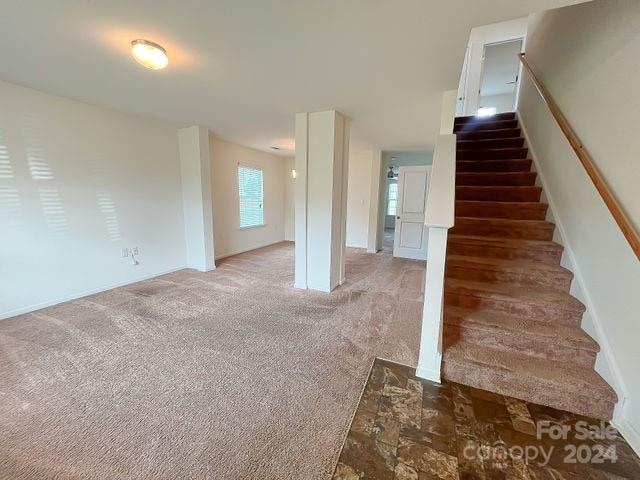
(283, 144)
(149, 54)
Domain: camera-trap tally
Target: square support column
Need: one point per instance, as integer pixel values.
(378, 182)
(322, 163)
(195, 169)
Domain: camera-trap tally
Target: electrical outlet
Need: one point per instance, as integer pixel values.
(124, 253)
(135, 251)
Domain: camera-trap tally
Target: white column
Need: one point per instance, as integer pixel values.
(373, 235)
(322, 163)
(195, 168)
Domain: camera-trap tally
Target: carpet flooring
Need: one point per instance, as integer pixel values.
(230, 374)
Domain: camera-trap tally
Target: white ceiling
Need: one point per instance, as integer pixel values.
(244, 67)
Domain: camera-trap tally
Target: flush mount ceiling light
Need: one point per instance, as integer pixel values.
(149, 54)
(283, 144)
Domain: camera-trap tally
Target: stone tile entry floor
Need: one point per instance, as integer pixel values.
(406, 428)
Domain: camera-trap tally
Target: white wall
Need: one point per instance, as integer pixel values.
(229, 239)
(359, 198)
(289, 165)
(587, 57)
(77, 184)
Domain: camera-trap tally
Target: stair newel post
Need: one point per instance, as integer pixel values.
(430, 357)
(439, 218)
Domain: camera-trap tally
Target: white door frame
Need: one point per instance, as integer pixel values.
(518, 75)
(398, 251)
(469, 88)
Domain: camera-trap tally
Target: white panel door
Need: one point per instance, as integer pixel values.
(410, 239)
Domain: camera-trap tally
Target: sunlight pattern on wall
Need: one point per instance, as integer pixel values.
(10, 207)
(53, 209)
(40, 171)
(36, 156)
(105, 201)
(38, 167)
(110, 214)
(6, 171)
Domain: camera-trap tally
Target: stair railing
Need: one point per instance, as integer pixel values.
(439, 218)
(585, 159)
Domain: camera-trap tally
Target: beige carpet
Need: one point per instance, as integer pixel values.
(231, 374)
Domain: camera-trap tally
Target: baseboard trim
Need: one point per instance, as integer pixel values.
(238, 252)
(628, 431)
(605, 346)
(428, 374)
(74, 296)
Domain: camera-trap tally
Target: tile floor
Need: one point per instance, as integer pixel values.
(406, 428)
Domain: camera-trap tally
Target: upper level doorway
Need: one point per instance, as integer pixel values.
(500, 77)
(490, 66)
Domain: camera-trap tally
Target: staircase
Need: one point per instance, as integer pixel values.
(510, 324)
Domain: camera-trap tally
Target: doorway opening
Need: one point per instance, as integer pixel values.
(491, 43)
(500, 76)
(405, 185)
(390, 207)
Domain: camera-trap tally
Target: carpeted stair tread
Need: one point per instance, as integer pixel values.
(561, 336)
(504, 227)
(508, 292)
(481, 143)
(495, 209)
(558, 385)
(506, 242)
(542, 304)
(495, 178)
(516, 271)
(497, 193)
(475, 118)
(514, 165)
(510, 324)
(508, 248)
(492, 153)
(485, 125)
(488, 134)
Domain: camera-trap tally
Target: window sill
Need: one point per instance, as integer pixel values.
(252, 227)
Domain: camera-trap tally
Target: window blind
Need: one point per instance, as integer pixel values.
(250, 192)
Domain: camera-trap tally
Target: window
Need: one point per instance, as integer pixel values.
(486, 111)
(250, 193)
(392, 199)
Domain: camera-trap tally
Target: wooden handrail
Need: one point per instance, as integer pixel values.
(605, 192)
